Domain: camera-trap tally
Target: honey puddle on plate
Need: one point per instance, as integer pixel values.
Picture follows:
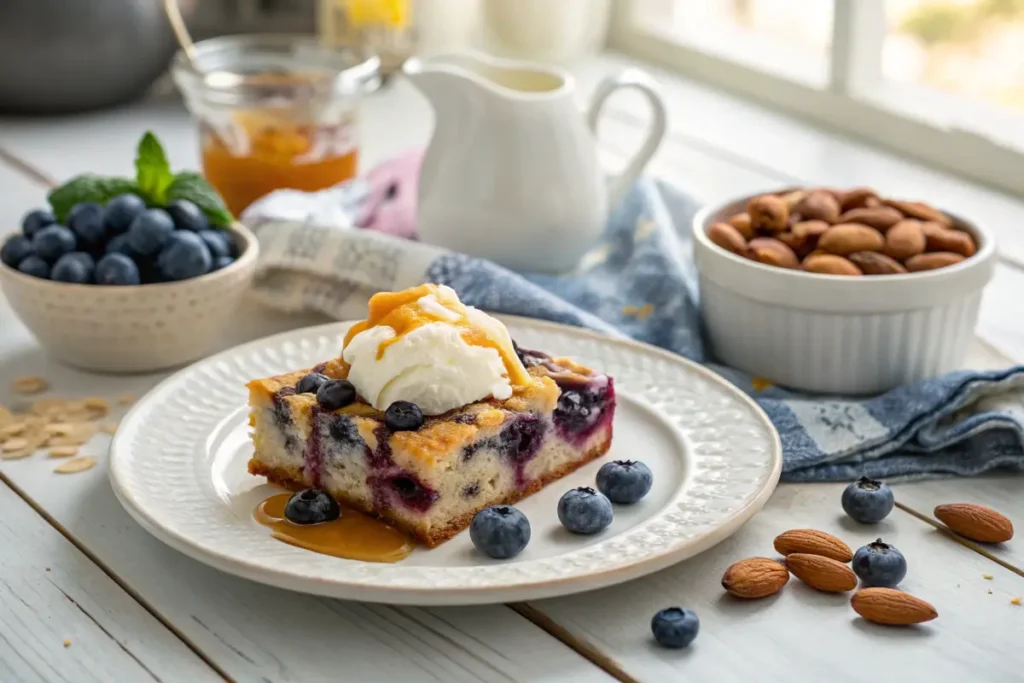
(354, 536)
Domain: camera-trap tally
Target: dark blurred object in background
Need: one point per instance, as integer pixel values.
(65, 56)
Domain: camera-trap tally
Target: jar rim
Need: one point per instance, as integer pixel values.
(233, 70)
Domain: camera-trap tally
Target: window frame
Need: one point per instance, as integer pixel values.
(856, 101)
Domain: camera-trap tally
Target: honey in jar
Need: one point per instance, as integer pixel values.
(275, 112)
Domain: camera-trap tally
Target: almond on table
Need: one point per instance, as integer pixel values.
(29, 385)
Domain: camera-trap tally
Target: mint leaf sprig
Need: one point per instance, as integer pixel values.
(154, 182)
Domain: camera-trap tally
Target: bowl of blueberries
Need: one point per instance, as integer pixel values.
(124, 275)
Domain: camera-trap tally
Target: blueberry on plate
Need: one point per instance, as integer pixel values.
(184, 256)
(868, 501)
(675, 627)
(15, 250)
(117, 269)
(624, 481)
(335, 394)
(187, 216)
(221, 262)
(76, 267)
(86, 221)
(879, 564)
(36, 220)
(500, 531)
(53, 241)
(584, 511)
(120, 211)
(149, 231)
(35, 266)
(311, 506)
(310, 383)
(403, 416)
(217, 241)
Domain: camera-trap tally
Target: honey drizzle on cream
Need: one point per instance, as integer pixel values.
(398, 310)
(354, 536)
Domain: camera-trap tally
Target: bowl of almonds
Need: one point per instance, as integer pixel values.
(840, 291)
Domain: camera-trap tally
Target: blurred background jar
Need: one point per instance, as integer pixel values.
(275, 111)
(543, 30)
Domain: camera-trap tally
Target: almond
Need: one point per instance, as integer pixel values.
(932, 260)
(800, 244)
(772, 252)
(793, 198)
(892, 607)
(944, 239)
(830, 264)
(976, 522)
(812, 229)
(822, 573)
(741, 222)
(819, 205)
(728, 238)
(812, 542)
(873, 263)
(755, 577)
(921, 211)
(903, 240)
(768, 213)
(856, 198)
(879, 218)
(847, 238)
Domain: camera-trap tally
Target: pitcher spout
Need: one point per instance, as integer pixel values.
(466, 72)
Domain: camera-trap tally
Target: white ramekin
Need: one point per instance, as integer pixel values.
(835, 334)
(141, 328)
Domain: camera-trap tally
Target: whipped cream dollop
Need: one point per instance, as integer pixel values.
(425, 346)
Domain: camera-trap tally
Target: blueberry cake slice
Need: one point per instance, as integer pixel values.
(430, 480)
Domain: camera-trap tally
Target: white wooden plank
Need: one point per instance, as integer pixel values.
(63, 619)
(251, 631)
(803, 635)
(1002, 493)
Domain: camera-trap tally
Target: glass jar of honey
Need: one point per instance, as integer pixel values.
(274, 112)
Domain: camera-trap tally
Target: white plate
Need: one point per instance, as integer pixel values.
(178, 465)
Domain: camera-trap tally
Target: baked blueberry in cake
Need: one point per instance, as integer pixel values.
(431, 414)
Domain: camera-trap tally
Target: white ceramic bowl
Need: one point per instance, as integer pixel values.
(132, 329)
(836, 334)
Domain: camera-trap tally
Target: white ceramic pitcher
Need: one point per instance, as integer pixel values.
(512, 173)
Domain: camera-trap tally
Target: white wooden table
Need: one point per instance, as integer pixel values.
(87, 595)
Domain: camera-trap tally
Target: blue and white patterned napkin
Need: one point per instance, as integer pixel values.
(640, 282)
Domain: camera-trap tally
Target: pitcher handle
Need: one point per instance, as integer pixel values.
(637, 80)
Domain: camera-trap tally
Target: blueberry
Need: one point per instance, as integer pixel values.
(86, 221)
(868, 501)
(117, 269)
(184, 256)
(624, 481)
(403, 416)
(879, 564)
(36, 220)
(217, 241)
(675, 627)
(584, 511)
(118, 244)
(76, 267)
(311, 506)
(35, 266)
(310, 383)
(335, 393)
(53, 241)
(149, 231)
(15, 250)
(120, 211)
(500, 532)
(187, 216)
(221, 262)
